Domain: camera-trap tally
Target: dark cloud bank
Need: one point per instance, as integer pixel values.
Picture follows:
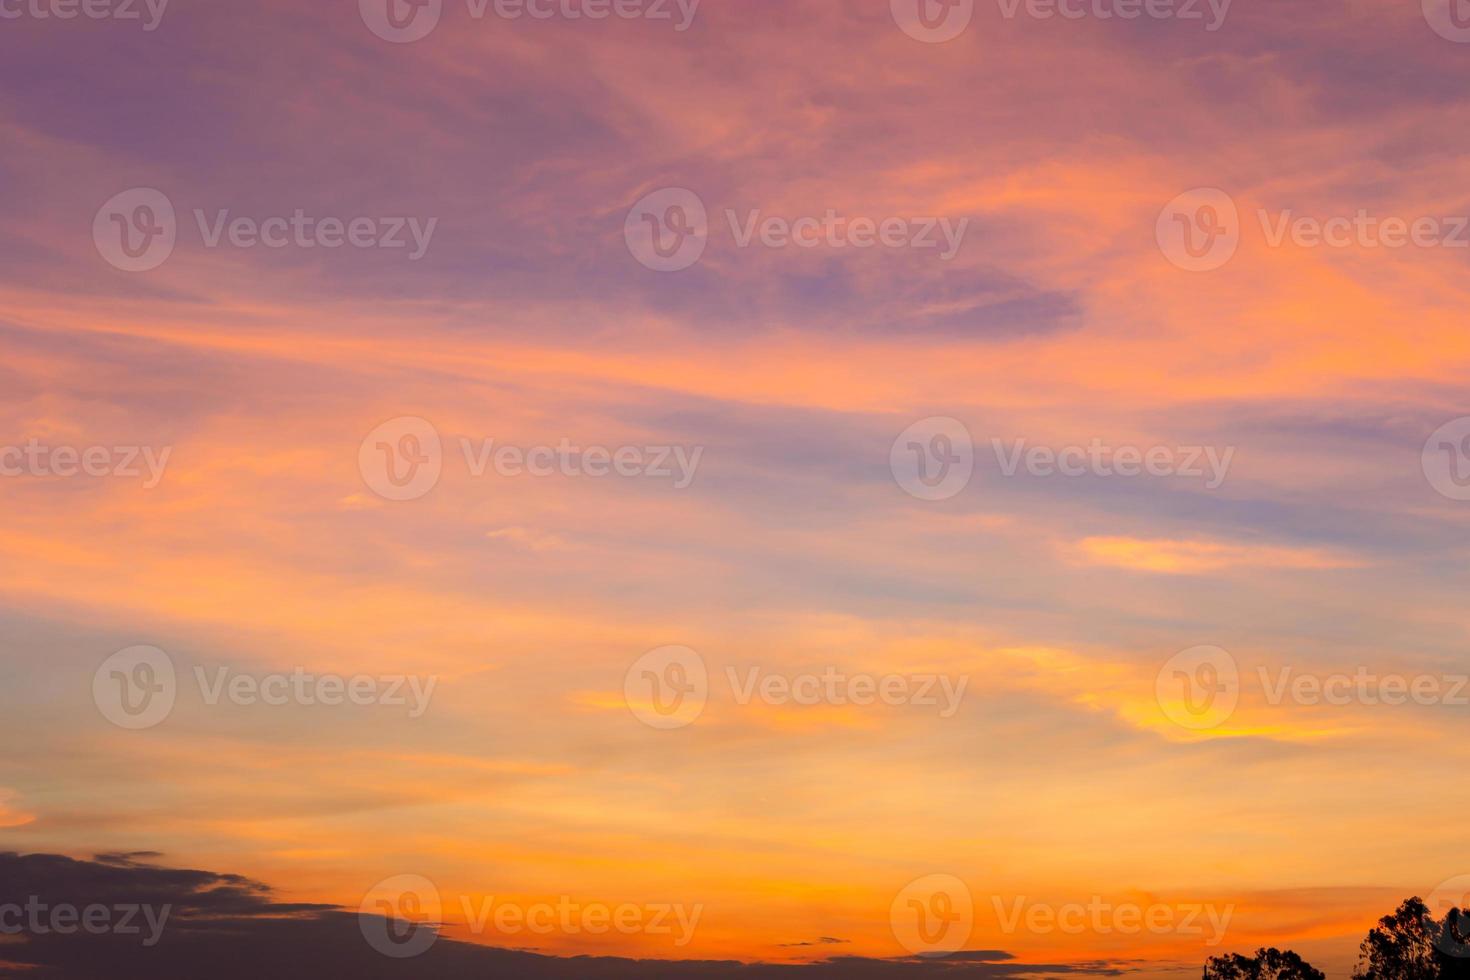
(224, 927)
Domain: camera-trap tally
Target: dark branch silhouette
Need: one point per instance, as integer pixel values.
(1267, 964)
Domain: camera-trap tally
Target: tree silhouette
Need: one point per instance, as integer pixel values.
(1267, 964)
(1410, 944)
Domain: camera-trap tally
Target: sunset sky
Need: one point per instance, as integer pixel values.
(1057, 150)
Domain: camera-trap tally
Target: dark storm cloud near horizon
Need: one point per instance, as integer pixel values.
(227, 926)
